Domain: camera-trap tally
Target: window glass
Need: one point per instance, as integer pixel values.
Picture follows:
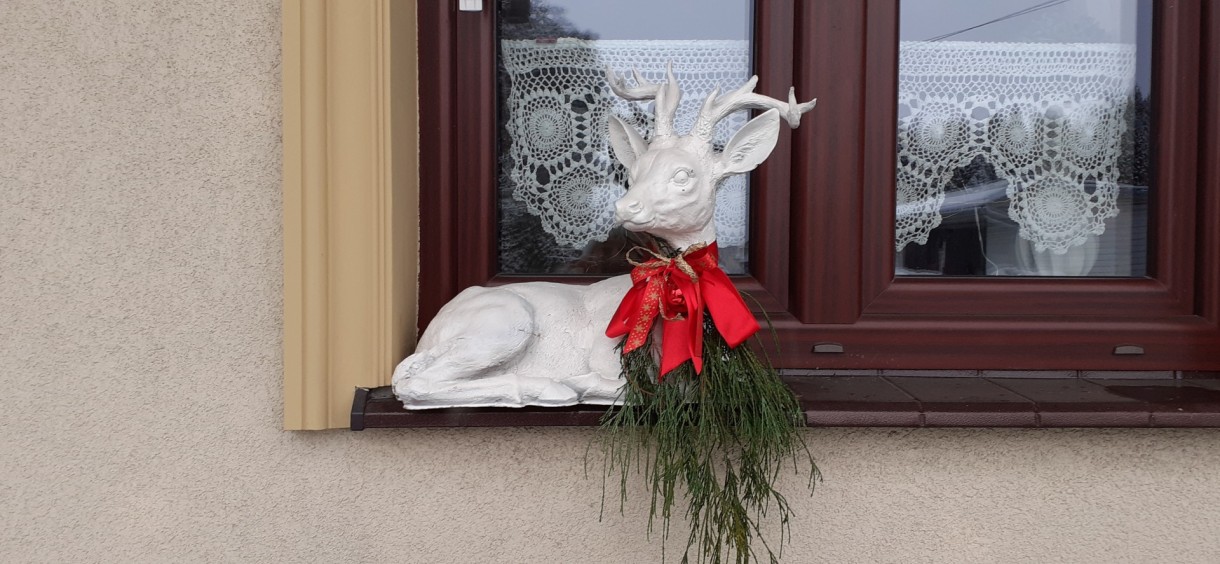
(1023, 138)
(558, 179)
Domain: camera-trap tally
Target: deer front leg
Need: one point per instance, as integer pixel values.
(603, 384)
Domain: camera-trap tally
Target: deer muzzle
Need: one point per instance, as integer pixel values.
(628, 210)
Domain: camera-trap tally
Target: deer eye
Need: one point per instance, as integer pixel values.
(682, 177)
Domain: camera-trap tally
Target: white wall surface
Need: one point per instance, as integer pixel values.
(140, 325)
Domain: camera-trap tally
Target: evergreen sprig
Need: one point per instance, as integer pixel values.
(722, 435)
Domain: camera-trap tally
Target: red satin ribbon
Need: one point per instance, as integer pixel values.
(678, 289)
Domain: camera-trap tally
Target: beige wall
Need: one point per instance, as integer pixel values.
(140, 363)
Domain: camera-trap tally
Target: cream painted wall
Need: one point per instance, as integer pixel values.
(140, 363)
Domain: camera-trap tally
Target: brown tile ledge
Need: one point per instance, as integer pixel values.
(891, 401)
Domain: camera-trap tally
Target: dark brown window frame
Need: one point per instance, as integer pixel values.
(844, 292)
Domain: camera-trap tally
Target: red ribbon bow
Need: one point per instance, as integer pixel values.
(678, 289)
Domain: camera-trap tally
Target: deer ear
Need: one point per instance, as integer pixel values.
(627, 143)
(751, 145)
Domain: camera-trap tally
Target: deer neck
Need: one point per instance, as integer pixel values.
(707, 236)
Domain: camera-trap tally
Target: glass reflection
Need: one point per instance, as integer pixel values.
(1023, 138)
(557, 179)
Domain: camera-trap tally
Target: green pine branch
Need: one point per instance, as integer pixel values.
(719, 439)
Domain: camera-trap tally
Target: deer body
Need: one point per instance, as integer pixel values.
(541, 343)
(532, 343)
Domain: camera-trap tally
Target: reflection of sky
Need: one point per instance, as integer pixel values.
(1111, 21)
(660, 19)
(1104, 21)
(1092, 21)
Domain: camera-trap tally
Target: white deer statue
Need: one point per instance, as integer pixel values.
(544, 344)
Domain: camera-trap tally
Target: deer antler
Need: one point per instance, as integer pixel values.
(667, 95)
(717, 107)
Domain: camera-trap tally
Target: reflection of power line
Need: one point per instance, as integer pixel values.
(1018, 13)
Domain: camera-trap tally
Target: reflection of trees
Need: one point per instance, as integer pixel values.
(1133, 166)
(541, 21)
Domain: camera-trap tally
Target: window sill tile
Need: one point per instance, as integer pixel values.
(875, 401)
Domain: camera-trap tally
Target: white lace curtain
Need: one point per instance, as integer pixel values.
(1048, 117)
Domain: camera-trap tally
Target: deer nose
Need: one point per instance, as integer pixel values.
(627, 208)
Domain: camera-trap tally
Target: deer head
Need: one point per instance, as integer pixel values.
(673, 179)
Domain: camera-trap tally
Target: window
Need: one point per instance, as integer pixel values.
(822, 259)
(557, 178)
(888, 321)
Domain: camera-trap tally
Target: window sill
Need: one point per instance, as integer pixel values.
(892, 401)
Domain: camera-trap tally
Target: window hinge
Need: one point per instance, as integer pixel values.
(1128, 350)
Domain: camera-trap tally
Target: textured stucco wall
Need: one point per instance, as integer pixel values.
(140, 364)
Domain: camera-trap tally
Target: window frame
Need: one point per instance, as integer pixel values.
(879, 322)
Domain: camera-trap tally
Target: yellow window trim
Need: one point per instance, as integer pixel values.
(350, 201)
